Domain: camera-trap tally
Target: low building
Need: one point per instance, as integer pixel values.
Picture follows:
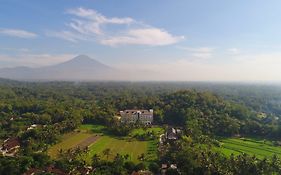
(32, 127)
(33, 171)
(165, 167)
(173, 134)
(10, 146)
(48, 170)
(134, 116)
(142, 172)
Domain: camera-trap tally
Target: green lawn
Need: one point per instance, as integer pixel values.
(260, 148)
(157, 130)
(122, 146)
(69, 140)
(93, 128)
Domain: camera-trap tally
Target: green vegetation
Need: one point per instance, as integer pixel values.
(128, 145)
(118, 145)
(140, 131)
(70, 140)
(259, 148)
(65, 114)
(93, 128)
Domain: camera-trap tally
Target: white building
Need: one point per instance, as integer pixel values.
(133, 116)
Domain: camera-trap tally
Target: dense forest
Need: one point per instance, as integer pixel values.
(204, 112)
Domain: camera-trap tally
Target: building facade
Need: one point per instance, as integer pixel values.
(133, 116)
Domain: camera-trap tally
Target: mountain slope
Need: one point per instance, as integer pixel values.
(79, 68)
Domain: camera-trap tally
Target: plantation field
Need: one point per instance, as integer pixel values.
(260, 148)
(101, 141)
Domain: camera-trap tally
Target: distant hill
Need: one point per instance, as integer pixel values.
(81, 68)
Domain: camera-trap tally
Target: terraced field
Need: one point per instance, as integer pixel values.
(260, 148)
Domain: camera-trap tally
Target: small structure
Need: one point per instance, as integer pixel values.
(134, 116)
(33, 171)
(165, 167)
(173, 134)
(50, 170)
(85, 170)
(10, 146)
(32, 127)
(173, 166)
(142, 172)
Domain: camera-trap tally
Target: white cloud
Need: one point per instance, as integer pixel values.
(86, 27)
(198, 49)
(97, 17)
(90, 25)
(145, 36)
(233, 51)
(199, 52)
(17, 33)
(90, 21)
(66, 35)
(203, 55)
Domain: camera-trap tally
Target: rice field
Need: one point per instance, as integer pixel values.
(259, 148)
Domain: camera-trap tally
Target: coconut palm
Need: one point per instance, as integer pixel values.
(106, 152)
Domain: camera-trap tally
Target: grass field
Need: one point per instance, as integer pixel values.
(92, 128)
(121, 145)
(69, 140)
(260, 148)
(124, 145)
(140, 131)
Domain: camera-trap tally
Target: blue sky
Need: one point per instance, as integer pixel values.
(186, 39)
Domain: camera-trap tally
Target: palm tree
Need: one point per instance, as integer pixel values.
(126, 156)
(106, 152)
(141, 157)
(95, 159)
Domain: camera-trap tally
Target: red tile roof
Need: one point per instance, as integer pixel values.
(11, 143)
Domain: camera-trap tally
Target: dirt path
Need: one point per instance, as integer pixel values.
(87, 142)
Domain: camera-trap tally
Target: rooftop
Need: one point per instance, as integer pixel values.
(134, 111)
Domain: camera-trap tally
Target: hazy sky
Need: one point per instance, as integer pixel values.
(180, 39)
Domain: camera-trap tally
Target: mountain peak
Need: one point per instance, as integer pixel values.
(82, 67)
(80, 57)
(82, 60)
